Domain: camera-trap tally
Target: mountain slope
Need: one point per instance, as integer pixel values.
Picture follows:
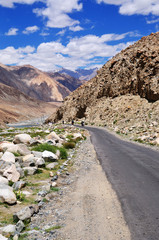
(134, 71)
(81, 74)
(15, 106)
(69, 82)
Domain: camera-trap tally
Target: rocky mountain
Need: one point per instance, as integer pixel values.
(124, 94)
(81, 74)
(15, 106)
(38, 84)
(69, 82)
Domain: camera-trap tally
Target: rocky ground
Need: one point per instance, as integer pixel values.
(72, 200)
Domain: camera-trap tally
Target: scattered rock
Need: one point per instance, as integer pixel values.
(7, 195)
(19, 185)
(24, 214)
(49, 156)
(11, 173)
(22, 138)
(40, 162)
(30, 170)
(19, 226)
(3, 180)
(8, 229)
(3, 238)
(52, 165)
(23, 150)
(8, 157)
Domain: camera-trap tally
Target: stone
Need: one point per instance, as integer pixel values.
(19, 226)
(19, 185)
(8, 157)
(77, 135)
(34, 142)
(22, 138)
(23, 150)
(42, 193)
(58, 154)
(8, 229)
(30, 170)
(7, 195)
(37, 154)
(40, 162)
(157, 140)
(3, 166)
(49, 156)
(3, 180)
(2, 237)
(53, 184)
(51, 165)
(46, 187)
(13, 148)
(21, 171)
(28, 157)
(11, 173)
(5, 145)
(24, 214)
(51, 142)
(53, 136)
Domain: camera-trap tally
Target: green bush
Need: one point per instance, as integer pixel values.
(68, 145)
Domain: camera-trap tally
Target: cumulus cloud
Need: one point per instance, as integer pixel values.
(57, 13)
(10, 3)
(29, 30)
(76, 28)
(79, 52)
(130, 7)
(12, 32)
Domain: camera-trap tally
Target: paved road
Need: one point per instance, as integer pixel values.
(133, 171)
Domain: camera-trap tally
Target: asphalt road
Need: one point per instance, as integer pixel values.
(133, 171)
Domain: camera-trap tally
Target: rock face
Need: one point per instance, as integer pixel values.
(134, 71)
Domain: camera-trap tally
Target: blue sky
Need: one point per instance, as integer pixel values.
(49, 34)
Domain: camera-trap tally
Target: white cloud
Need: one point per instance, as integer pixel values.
(12, 32)
(31, 29)
(79, 52)
(76, 28)
(10, 3)
(130, 7)
(57, 13)
(152, 21)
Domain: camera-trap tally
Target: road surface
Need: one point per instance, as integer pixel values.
(133, 171)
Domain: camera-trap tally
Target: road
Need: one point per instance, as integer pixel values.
(133, 171)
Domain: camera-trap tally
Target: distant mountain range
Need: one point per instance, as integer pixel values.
(81, 74)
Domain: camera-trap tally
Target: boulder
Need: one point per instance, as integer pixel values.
(49, 156)
(157, 140)
(12, 174)
(23, 150)
(3, 166)
(22, 138)
(51, 165)
(8, 157)
(8, 229)
(5, 145)
(40, 162)
(3, 180)
(7, 195)
(13, 148)
(37, 154)
(28, 157)
(3, 238)
(24, 214)
(53, 136)
(30, 170)
(19, 226)
(77, 135)
(19, 185)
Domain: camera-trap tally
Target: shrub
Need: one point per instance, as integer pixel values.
(68, 145)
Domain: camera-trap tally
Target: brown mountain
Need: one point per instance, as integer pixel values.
(15, 106)
(134, 73)
(69, 82)
(38, 84)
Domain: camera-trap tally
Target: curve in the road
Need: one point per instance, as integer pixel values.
(133, 171)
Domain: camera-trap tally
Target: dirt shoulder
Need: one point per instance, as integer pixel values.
(86, 208)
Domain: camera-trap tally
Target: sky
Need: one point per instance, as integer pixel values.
(50, 34)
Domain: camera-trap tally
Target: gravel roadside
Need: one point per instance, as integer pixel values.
(85, 208)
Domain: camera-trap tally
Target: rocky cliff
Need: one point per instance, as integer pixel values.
(133, 73)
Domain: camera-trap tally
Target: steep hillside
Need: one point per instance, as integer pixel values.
(38, 84)
(124, 92)
(69, 82)
(15, 106)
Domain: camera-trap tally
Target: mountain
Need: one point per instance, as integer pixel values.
(69, 82)
(38, 84)
(81, 74)
(15, 106)
(124, 91)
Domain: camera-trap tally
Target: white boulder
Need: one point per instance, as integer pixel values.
(8, 157)
(7, 195)
(22, 138)
(49, 156)
(3, 180)
(11, 173)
